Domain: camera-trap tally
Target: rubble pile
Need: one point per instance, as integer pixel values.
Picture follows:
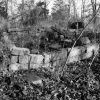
(21, 58)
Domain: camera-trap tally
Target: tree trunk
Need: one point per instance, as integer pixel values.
(22, 10)
(75, 12)
(6, 6)
(93, 2)
(83, 8)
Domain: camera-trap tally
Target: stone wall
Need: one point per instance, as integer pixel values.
(22, 59)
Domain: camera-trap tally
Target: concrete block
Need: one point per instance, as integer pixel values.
(14, 59)
(24, 66)
(73, 59)
(47, 57)
(20, 51)
(35, 66)
(91, 48)
(33, 58)
(14, 67)
(36, 59)
(75, 51)
(24, 59)
(74, 55)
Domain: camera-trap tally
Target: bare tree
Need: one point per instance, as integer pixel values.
(22, 11)
(74, 6)
(83, 9)
(94, 9)
(69, 6)
(11, 7)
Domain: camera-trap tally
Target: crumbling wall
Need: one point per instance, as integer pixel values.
(22, 59)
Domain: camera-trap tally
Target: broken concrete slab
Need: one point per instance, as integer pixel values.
(35, 66)
(24, 59)
(36, 59)
(24, 66)
(14, 67)
(92, 49)
(14, 59)
(47, 57)
(20, 51)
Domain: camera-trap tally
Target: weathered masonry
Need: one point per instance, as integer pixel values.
(22, 59)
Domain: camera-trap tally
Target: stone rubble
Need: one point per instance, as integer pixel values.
(20, 51)
(22, 59)
(14, 59)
